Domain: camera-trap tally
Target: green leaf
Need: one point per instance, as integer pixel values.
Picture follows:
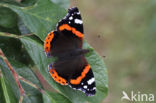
(8, 21)
(32, 94)
(9, 97)
(48, 98)
(35, 49)
(13, 49)
(14, 30)
(40, 18)
(62, 3)
(14, 2)
(28, 2)
(2, 98)
(8, 18)
(19, 2)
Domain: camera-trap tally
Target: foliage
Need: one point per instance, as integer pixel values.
(23, 28)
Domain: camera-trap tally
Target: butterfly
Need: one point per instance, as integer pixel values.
(71, 67)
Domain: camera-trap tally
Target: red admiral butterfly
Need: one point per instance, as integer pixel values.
(71, 68)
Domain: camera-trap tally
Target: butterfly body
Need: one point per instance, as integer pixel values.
(71, 68)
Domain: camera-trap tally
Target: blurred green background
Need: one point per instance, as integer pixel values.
(125, 32)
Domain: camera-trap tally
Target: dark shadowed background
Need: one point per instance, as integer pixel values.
(124, 31)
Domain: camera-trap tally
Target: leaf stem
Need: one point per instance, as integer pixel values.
(31, 84)
(4, 87)
(15, 75)
(0, 73)
(13, 35)
(21, 99)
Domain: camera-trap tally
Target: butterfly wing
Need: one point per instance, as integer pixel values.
(68, 36)
(76, 73)
(72, 19)
(84, 80)
(87, 84)
(73, 71)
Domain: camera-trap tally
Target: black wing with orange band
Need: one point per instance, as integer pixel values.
(72, 22)
(69, 31)
(73, 71)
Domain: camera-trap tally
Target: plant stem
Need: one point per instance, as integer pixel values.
(31, 84)
(15, 75)
(13, 35)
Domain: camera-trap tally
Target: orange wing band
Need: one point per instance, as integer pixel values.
(83, 74)
(56, 77)
(48, 41)
(69, 28)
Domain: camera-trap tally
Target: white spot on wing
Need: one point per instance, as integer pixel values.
(85, 86)
(70, 18)
(90, 81)
(78, 13)
(94, 88)
(78, 21)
